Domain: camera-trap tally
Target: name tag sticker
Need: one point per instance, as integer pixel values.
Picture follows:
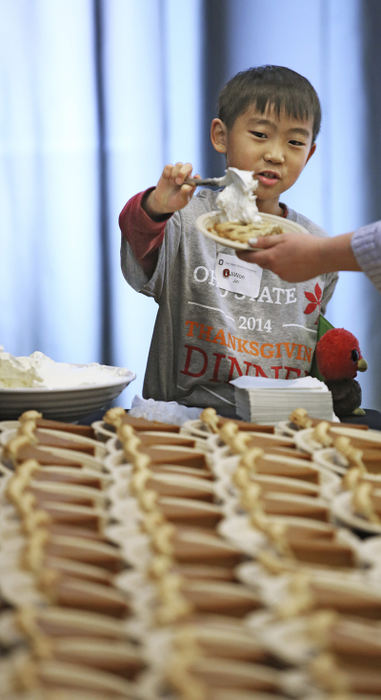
(237, 275)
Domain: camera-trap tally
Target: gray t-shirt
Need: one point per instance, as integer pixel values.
(206, 335)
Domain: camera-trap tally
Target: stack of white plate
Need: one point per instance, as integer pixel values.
(268, 401)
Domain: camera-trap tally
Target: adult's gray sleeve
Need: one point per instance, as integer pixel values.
(366, 246)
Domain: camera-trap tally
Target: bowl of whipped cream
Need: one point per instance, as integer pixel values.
(58, 390)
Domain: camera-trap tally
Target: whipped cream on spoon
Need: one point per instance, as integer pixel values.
(237, 201)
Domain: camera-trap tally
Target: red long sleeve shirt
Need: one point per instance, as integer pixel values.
(145, 235)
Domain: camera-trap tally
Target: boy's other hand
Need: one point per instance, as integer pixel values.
(170, 193)
(292, 256)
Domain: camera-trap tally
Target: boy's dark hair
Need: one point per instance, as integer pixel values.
(275, 86)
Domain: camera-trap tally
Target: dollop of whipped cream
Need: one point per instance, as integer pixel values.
(39, 370)
(237, 201)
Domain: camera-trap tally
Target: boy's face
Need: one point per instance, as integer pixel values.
(275, 147)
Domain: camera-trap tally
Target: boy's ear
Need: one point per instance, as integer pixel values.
(312, 151)
(218, 133)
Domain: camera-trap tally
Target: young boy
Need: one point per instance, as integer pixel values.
(207, 333)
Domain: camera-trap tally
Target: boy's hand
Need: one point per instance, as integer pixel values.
(170, 193)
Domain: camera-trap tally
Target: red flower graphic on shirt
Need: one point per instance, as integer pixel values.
(314, 300)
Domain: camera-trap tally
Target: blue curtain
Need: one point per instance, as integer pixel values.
(97, 95)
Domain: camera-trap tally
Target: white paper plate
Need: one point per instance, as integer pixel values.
(8, 425)
(371, 549)
(290, 640)
(341, 509)
(68, 404)
(238, 531)
(305, 441)
(206, 220)
(284, 428)
(331, 460)
(102, 430)
(195, 428)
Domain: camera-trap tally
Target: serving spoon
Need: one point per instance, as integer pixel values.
(240, 177)
(217, 181)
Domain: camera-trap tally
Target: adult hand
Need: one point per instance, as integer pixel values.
(294, 257)
(170, 193)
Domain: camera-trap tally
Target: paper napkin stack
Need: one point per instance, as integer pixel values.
(269, 401)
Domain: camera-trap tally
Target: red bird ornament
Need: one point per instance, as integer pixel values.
(339, 358)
